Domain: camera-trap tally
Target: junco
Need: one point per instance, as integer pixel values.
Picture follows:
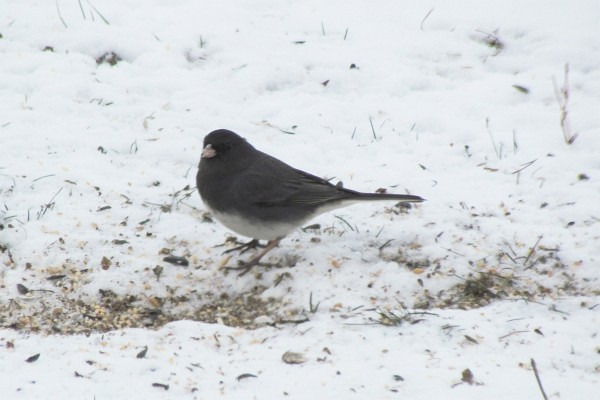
(258, 196)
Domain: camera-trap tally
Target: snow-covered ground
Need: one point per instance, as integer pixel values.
(454, 101)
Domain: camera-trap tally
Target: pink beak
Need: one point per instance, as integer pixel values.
(208, 152)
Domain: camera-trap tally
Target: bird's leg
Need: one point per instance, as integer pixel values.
(244, 247)
(246, 267)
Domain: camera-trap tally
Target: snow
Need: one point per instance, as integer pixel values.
(97, 167)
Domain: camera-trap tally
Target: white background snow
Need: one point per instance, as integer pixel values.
(429, 108)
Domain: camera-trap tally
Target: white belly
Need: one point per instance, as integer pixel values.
(258, 229)
(255, 229)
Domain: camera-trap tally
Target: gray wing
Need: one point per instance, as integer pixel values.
(269, 182)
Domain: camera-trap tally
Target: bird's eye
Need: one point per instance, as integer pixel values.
(222, 147)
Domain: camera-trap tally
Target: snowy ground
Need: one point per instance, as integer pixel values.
(450, 100)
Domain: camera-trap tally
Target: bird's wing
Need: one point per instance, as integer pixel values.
(270, 182)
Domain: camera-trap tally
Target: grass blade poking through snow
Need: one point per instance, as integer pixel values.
(562, 96)
(60, 16)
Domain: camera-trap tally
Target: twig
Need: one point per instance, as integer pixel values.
(537, 378)
(562, 96)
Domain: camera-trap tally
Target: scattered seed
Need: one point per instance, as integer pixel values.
(157, 271)
(244, 376)
(313, 226)
(105, 263)
(111, 58)
(156, 302)
(161, 385)
(521, 89)
(470, 339)
(467, 376)
(290, 357)
(22, 289)
(142, 354)
(176, 260)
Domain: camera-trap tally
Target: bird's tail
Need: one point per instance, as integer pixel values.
(406, 198)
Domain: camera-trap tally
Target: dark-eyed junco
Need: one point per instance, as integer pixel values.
(258, 196)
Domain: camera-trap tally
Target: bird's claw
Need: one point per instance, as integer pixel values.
(244, 268)
(244, 247)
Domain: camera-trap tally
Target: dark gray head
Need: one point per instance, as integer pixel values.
(225, 146)
(224, 156)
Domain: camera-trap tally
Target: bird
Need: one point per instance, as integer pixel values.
(260, 197)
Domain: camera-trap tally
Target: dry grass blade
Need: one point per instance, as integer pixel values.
(497, 150)
(562, 96)
(60, 16)
(426, 16)
(537, 378)
(98, 13)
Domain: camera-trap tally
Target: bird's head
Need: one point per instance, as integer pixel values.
(220, 143)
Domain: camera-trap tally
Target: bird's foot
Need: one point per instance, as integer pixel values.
(247, 266)
(244, 247)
